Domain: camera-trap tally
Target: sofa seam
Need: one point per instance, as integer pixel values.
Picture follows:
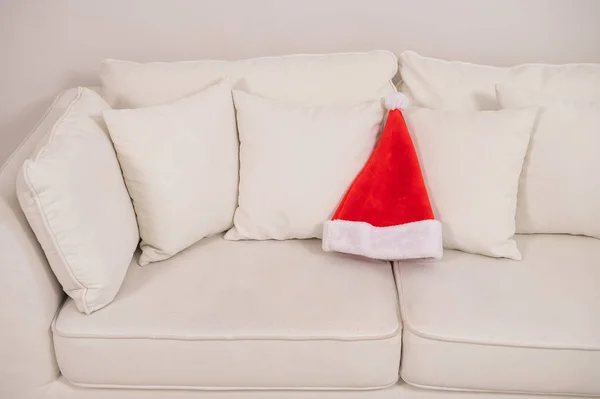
(432, 337)
(270, 57)
(493, 391)
(216, 388)
(37, 126)
(60, 120)
(395, 68)
(526, 64)
(395, 334)
(49, 228)
(36, 199)
(395, 62)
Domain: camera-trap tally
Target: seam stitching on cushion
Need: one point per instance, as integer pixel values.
(35, 197)
(434, 337)
(210, 388)
(60, 120)
(527, 64)
(395, 334)
(443, 388)
(273, 57)
(53, 240)
(413, 330)
(26, 139)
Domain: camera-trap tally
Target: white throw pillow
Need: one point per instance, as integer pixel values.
(296, 164)
(560, 186)
(305, 79)
(439, 84)
(72, 193)
(180, 163)
(471, 163)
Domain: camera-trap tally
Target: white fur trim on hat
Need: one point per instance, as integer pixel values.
(396, 100)
(416, 240)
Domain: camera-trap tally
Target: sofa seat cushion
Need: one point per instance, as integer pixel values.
(478, 323)
(240, 315)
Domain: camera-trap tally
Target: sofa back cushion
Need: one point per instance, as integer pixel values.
(559, 190)
(73, 195)
(440, 84)
(345, 78)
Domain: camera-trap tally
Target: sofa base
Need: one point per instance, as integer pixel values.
(62, 389)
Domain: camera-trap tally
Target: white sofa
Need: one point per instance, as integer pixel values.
(329, 326)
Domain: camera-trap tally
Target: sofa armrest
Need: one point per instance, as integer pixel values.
(30, 295)
(29, 298)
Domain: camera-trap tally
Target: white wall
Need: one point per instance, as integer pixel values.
(49, 45)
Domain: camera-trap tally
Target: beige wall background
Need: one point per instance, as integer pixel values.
(47, 46)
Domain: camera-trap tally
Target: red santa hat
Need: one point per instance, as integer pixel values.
(386, 213)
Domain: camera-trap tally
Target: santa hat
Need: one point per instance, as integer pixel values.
(386, 213)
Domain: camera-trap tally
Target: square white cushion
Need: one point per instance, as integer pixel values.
(72, 193)
(306, 79)
(439, 84)
(180, 163)
(296, 163)
(471, 163)
(560, 187)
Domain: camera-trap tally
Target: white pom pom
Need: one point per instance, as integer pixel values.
(396, 101)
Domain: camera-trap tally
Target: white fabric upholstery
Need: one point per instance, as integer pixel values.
(29, 292)
(478, 323)
(297, 79)
(62, 389)
(180, 165)
(438, 84)
(296, 163)
(471, 162)
(73, 195)
(29, 370)
(225, 314)
(559, 190)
